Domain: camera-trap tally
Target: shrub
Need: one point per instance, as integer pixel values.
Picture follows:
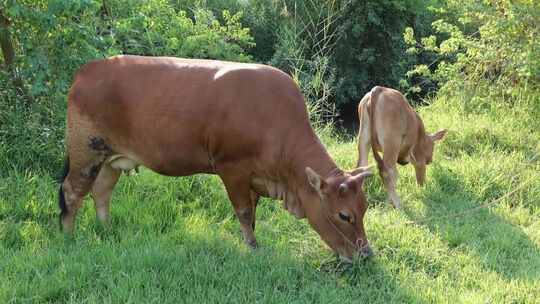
(158, 29)
(54, 38)
(372, 51)
(488, 57)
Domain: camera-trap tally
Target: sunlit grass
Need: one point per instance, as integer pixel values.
(177, 240)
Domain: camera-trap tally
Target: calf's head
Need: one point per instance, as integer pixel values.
(337, 211)
(423, 154)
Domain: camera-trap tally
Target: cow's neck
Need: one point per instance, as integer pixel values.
(314, 155)
(310, 153)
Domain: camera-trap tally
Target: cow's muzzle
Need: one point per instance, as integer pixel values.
(364, 249)
(366, 252)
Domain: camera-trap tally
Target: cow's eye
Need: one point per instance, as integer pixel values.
(344, 217)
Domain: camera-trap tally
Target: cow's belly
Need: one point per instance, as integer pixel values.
(180, 166)
(181, 163)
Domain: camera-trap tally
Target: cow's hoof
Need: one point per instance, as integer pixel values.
(396, 204)
(252, 244)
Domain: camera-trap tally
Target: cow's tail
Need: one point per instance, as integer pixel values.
(375, 92)
(61, 196)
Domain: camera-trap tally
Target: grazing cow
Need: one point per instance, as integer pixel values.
(390, 125)
(247, 123)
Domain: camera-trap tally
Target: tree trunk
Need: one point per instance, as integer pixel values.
(104, 10)
(5, 42)
(105, 14)
(9, 56)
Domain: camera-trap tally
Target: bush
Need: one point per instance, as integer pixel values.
(371, 50)
(54, 38)
(489, 56)
(157, 29)
(262, 17)
(306, 40)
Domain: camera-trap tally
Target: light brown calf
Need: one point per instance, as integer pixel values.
(247, 123)
(390, 125)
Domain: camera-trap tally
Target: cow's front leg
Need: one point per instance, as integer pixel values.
(245, 208)
(246, 216)
(244, 202)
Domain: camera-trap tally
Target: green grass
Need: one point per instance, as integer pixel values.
(176, 240)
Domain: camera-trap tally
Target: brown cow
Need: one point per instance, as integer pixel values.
(390, 125)
(246, 123)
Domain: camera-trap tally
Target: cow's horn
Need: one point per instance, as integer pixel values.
(343, 188)
(362, 175)
(361, 169)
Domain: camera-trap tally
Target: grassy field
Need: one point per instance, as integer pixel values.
(176, 240)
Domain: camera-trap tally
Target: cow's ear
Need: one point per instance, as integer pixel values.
(314, 179)
(438, 135)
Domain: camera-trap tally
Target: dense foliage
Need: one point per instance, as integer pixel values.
(485, 52)
(337, 50)
(471, 234)
(54, 38)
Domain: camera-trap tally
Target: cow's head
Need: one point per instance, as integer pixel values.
(423, 154)
(337, 211)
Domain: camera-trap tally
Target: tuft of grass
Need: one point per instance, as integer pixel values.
(177, 240)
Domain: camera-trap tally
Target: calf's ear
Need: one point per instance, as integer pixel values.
(314, 179)
(438, 135)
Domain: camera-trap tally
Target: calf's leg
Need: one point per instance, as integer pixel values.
(364, 137)
(363, 147)
(389, 173)
(390, 180)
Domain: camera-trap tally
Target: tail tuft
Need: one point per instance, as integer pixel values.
(61, 197)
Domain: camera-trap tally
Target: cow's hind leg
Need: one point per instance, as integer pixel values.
(86, 157)
(74, 188)
(102, 191)
(244, 201)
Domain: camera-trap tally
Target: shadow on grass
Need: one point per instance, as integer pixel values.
(185, 267)
(156, 252)
(373, 280)
(500, 246)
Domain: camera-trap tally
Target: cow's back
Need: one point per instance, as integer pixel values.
(182, 116)
(394, 119)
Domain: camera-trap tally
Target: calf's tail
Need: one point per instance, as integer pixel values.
(61, 197)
